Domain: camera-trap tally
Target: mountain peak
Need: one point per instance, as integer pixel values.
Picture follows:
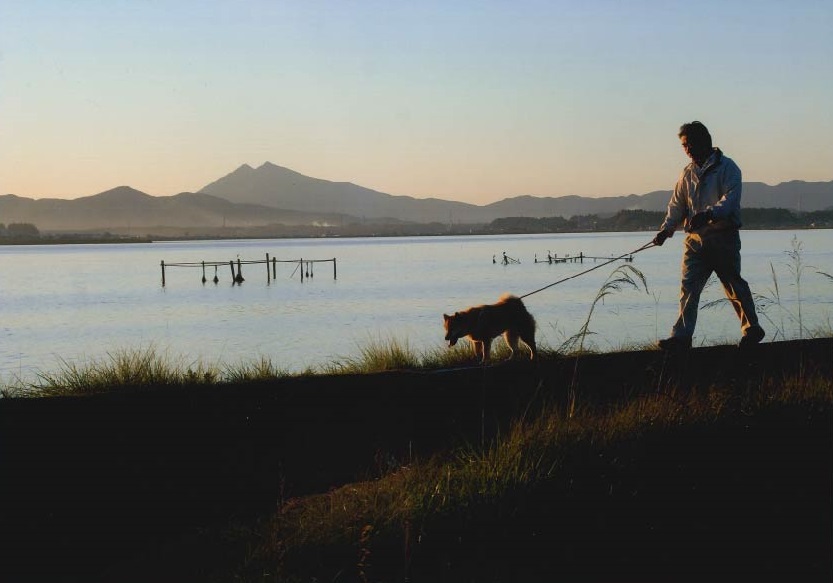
(268, 168)
(122, 193)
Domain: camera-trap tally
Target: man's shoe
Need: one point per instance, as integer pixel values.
(675, 343)
(754, 334)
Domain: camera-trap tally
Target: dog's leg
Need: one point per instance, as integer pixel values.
(530, 343)
(478, 349)
(487, 349)
(512, 341)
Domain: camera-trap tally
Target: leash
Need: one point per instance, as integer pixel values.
(634, 252)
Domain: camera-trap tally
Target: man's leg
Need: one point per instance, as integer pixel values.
(726, 257)
(696, 270)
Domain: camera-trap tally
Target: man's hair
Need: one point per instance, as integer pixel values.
(696, 132)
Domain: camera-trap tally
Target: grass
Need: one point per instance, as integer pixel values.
(418, 507)
(144, 368)
(465, 485)
(120, 370)
(773, 297)
(393, 354)
(126, 370)
(623, 277)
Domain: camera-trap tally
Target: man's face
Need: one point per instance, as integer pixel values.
(692, 149)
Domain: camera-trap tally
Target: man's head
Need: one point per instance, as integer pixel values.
(696, 141)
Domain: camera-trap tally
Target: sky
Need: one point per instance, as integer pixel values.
(473, 101)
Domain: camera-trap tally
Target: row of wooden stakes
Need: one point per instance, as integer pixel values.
(306, 267)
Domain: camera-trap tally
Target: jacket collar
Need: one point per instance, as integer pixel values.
(713, 160)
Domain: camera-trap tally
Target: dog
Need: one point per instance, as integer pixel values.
(481, 324)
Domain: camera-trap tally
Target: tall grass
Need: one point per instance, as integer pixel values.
(773, 297)
(623, 277)
(494, 479)
(135, 370)
(797, 267)
(262, 369)
(394, 354)
(147, 367)
(377, 356)
(123, 369)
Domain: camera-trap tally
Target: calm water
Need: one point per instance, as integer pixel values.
(77, 303)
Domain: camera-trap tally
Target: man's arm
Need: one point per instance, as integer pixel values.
(677, 207)
(728, 205)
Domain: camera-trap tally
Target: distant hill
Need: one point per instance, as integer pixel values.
(795, 195)
(270, 195)
(275, 186)
(126, 208)
(570, 206)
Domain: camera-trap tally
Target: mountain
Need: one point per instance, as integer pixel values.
(275, 186)
(122, 209)
(569, 206)
(272, 195)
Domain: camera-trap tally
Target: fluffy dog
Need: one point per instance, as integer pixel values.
(481, 324)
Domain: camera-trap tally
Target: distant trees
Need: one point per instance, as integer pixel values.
(19, 231)
(635, 220)
(639, 220)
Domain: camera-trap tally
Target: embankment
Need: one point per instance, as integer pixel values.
(90, 482)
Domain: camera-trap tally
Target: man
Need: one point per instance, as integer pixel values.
(706, 201)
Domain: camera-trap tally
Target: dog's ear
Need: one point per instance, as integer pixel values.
(446, 317)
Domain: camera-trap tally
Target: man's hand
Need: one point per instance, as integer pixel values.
(700, 219)
(660, 237)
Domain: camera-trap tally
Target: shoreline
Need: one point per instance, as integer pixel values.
(83, 240)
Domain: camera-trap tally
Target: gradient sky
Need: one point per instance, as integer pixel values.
(463, 100)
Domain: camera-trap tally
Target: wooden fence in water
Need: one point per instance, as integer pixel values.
(306, 267)
(552, 259)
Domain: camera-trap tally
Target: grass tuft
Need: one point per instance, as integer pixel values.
(377, 356)
(263, 369)
(123, 369)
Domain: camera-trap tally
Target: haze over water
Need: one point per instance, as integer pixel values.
(75, 304)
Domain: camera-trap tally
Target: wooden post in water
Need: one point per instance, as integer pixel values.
(203, 272)
(239, 272)
(274, 268)
(334, 268)
(267, 269)
(163, 273)
(231, 264)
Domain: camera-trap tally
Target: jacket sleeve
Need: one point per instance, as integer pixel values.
(727, 206)
(677, 207)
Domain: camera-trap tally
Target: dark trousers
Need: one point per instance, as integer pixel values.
(718, 252)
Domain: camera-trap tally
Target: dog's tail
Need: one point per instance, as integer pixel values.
(517, 303)
(508, 298)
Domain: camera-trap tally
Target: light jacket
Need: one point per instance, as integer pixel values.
(715, 186)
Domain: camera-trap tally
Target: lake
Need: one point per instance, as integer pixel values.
(78, 303)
